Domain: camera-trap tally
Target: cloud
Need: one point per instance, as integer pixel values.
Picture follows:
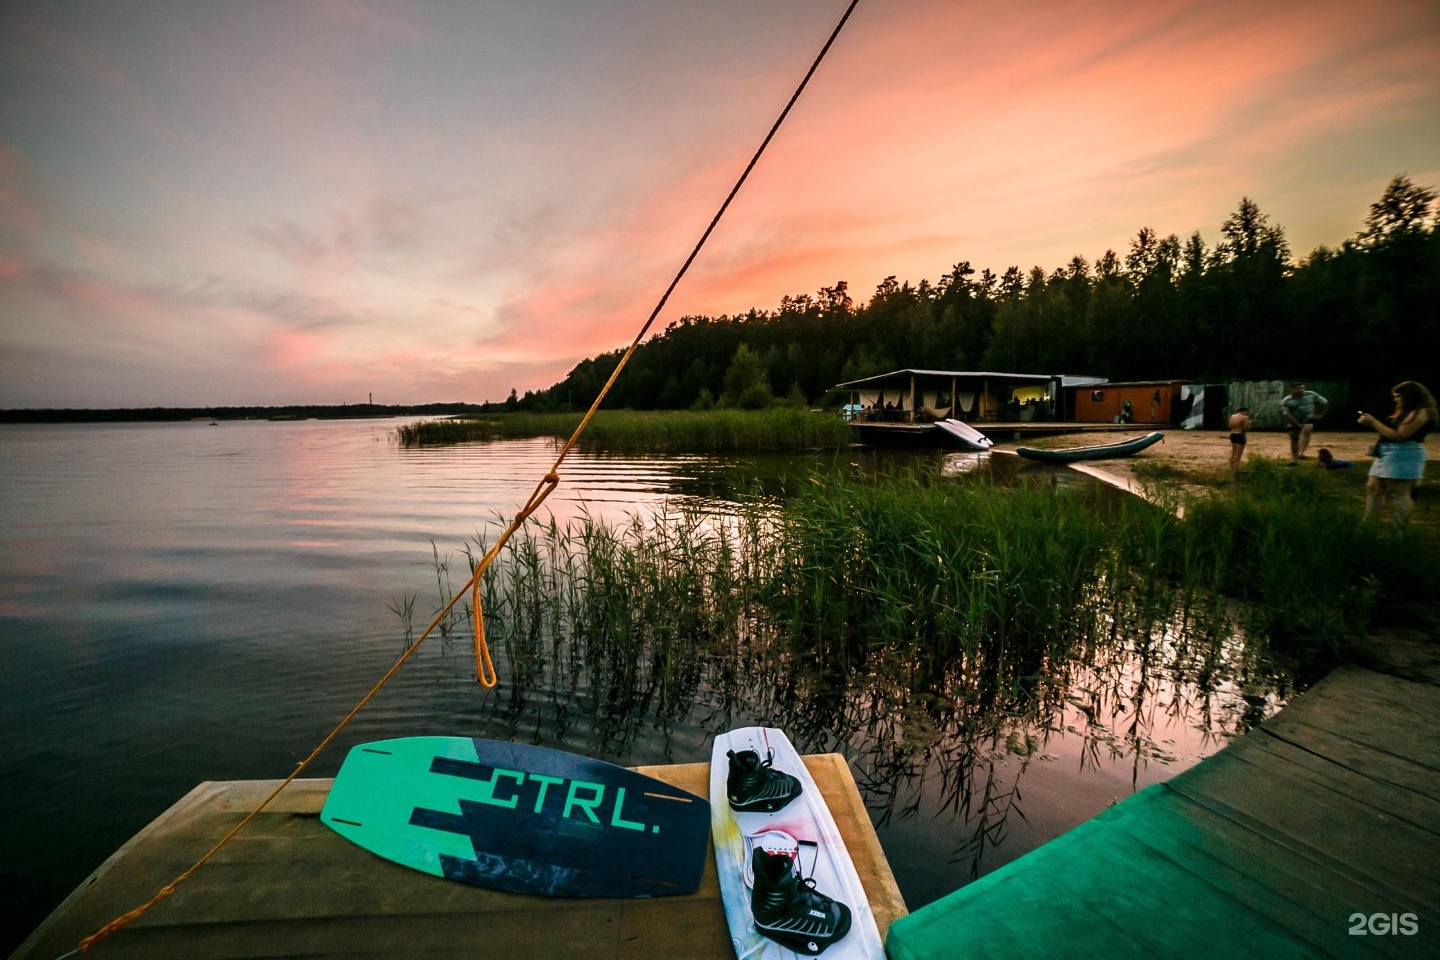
(18, 214)
(345, 197)
(383, 233)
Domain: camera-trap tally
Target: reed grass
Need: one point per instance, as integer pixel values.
(938, 633)
(631, 431)
(1313, 576)
(922, 625)
(936, 593)
(613, 620)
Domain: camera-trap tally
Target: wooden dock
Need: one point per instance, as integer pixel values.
(1315, 835)
(287, 886)
(896, 432)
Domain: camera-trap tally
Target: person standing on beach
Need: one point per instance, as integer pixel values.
(1400, 458)
(1239, 427)
(1302, 409)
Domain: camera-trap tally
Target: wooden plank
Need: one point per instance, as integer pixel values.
(582, 932)
(1302, 814)
(1166, 905)
(1381, 766)
(287, 886)
(1289, 889)
(848, 808)
(1156, 876)
(1269, 848)
(1101, 890)
(1385, 713)
(1402, 795)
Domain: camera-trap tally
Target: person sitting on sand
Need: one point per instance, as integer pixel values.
(1239, 427)
(1328, 461)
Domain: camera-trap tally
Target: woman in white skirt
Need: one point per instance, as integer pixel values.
(1400, 451)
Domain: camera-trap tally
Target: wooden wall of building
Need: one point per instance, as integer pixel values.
(1103, 402)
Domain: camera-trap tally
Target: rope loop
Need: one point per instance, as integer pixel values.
(485, 673)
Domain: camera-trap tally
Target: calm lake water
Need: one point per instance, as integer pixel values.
(186, 602)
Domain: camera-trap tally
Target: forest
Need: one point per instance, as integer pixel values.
(1168, 309)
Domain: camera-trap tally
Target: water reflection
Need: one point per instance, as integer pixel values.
(651, 638)
(959, 464)
(181, 603)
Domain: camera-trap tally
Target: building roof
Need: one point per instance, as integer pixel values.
(947, 374)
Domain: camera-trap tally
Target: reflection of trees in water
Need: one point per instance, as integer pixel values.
(812, 621)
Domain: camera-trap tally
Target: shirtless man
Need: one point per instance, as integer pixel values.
(1239, 427)
(1302, 408)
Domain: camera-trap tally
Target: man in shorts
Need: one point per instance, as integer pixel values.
(1302, 409)
(1239, 427)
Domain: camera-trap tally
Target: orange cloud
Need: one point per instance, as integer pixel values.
(295, 349)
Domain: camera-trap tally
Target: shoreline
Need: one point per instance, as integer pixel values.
(1411, 653)
(1207, 453)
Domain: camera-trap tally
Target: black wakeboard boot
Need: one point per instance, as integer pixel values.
(754, 784)
(789, 910)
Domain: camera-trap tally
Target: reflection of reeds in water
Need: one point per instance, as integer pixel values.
(928, 630)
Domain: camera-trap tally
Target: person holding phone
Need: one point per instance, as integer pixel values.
(1400, 451)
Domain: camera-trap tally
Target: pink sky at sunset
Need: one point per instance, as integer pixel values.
(312, 202)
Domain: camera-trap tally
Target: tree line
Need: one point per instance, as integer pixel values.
(1367, 312)
(344, 411)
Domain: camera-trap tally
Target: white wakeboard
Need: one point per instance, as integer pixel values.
(803, 828)
(966, 434)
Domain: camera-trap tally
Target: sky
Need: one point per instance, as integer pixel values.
(242, 202)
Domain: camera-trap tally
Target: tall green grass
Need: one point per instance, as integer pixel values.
(612, 620)
(941, 624)
(1311, 576)
(631, 431)
(929, 589)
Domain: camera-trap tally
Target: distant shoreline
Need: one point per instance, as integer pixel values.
(348, 411)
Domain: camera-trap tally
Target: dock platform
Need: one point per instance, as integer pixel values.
(288, 886)
(895, 432)
(1315, 835)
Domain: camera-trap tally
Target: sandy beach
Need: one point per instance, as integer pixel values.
(1207, 452)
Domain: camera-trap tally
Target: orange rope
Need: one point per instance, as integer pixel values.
(484, 666)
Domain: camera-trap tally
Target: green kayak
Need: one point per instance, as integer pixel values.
(1101, 451)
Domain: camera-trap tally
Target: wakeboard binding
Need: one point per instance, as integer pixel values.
(789, 910)
(755, 786)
